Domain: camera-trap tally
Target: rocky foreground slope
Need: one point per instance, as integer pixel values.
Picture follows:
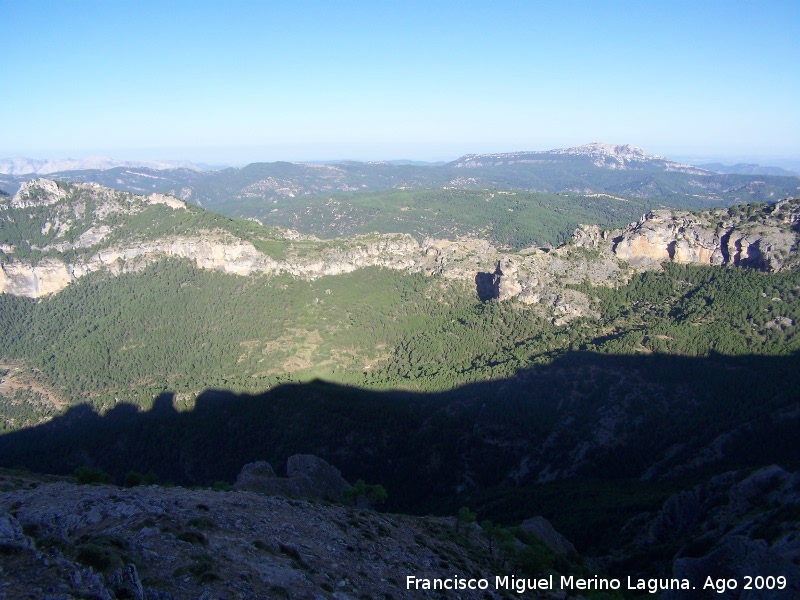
(68, 541)
(56, 233)
(61, 540)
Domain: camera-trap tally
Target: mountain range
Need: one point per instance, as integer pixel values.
(31, 166)
(618, 170)
(623, 365)
(748, 169)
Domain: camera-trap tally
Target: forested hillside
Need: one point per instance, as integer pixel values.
(175, 327)
(157, 295)
(509, 219)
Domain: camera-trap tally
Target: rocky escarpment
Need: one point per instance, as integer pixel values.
(87, 222)
(83, 230)
(761, 237)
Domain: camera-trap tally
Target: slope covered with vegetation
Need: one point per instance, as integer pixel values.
(510, 219)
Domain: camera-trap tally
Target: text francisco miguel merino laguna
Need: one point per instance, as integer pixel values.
(521, 585)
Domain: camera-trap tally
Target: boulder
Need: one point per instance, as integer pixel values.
(260, 477)
(312, 477)
(308, 477)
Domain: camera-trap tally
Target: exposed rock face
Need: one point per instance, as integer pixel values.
(173, 544)
(252, 475)
(625, 156)
(508, 286)
(37, 192)
(312, 477)
(48, 277)
(665, 236)
(763, 240)
(173, 203)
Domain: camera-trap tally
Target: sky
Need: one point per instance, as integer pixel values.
(241, 81)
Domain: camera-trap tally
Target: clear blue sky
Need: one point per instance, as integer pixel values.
(246, 81)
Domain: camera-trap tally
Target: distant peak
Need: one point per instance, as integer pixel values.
(603, 155)
(619, 151)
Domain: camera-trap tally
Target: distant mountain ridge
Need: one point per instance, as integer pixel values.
(34, 166)
(748, 169)
(608, 156)
(622, 171)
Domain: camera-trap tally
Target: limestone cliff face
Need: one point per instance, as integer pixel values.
(45, 278)
(211, 251)
(666, 236)
(762, 238)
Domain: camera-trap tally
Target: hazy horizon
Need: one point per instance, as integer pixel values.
(317, 81)
(178, 156)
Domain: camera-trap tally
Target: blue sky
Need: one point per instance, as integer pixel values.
(248, 81)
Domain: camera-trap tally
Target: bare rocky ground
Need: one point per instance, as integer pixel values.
(59, 540)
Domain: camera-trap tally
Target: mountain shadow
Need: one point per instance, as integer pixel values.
(655, 418)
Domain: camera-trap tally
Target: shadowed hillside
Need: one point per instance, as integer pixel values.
(659, 420)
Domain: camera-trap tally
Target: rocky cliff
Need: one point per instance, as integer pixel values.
(758, 236)
(737, 524)
(82, 228)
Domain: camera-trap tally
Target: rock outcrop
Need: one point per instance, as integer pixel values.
(756, 237)
(312, 477)
(543, 530)
(37, 192)
(664, 236)
(308, 477)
